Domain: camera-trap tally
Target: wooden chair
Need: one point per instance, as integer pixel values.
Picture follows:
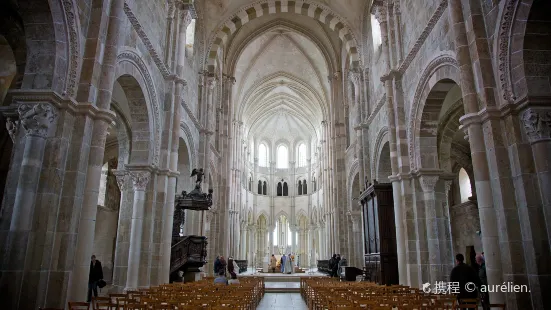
(78, 305)
(95, 300)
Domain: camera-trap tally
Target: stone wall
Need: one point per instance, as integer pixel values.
(465, 223)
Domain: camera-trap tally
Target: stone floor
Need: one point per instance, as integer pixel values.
(284, 301)
(282, 284)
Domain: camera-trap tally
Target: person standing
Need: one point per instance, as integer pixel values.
(96, 274)
(283, 263)
(273, 263)
(288, 264)
(231, 267)
(463, 274)
(223, 265)
(484, 298)
(217, 265)
(332, 263)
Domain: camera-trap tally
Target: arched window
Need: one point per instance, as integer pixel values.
(285, 189)
(279, 189)
(299, 187)
(282, 157)
(262, 155)
(260, 187)
(304, 187)
(301, 155)
(464, 185)
(190, 37)
(264, 188)
(376, 32)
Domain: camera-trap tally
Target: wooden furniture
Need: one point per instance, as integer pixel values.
(323, 266)
(379, 229)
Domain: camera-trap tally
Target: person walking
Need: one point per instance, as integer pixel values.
(96, 274)
(463, 274)
(484, 297)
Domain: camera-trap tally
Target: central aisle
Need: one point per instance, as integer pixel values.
(288, 301)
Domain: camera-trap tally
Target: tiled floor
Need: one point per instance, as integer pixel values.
(285, 301)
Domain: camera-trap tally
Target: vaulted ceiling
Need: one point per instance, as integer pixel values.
(282, 88)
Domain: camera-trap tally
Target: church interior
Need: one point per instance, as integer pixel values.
(171, 140)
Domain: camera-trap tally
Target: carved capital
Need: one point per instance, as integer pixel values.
(428, 182)
(140, 179)
(211, 82)
(37, 118)
(123, 179)
(379, 10)
(537, 124)
(13, 128)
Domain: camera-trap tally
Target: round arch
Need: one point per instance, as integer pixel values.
(130, 66)
(319, 12)
(442, 67)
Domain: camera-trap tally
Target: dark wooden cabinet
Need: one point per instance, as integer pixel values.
(381, 260)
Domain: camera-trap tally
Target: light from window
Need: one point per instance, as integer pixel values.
(282, 157)
(464, 185)
(301, 160)
(263, 155)
(103, 185)
(376, 32)
(190, 35)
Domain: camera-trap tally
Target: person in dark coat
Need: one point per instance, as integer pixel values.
(231, 268)
(332, 263)
(217, 265)
(463, 274)
(96, 274)
(223, 264)
(484, 297)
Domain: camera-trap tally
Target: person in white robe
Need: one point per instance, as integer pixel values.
(288, 265)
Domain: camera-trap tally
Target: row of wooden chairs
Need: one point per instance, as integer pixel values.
(330, 294)
(183, 296)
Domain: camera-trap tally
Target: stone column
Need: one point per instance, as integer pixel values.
(537, 124)
(428, 182)
(37, 121)
(473, 126)
(380, 12)
(141, 180)
(122, 243)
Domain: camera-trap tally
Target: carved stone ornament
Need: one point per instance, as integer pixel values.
(37, 118)
(380, 13)
(140, 179)
(537, 123)
(122, 179)
(428, 182)
(12, 127)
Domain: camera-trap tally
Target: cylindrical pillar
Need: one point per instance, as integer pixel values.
(140, 179)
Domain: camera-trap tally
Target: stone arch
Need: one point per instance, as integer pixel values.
(13, 50)
(187, 136)
(384, 169)
(47, 51)
(382, 138)
(266, 7)
(139, 119)
(442, 67)
(124, 136)
(234, 55)
(130, 64)
(447, 128)
(354, 170)
(184, 166)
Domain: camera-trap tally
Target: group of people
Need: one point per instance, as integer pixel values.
(220, 266)
(463, 274)
(335, 265)
(286, 264)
